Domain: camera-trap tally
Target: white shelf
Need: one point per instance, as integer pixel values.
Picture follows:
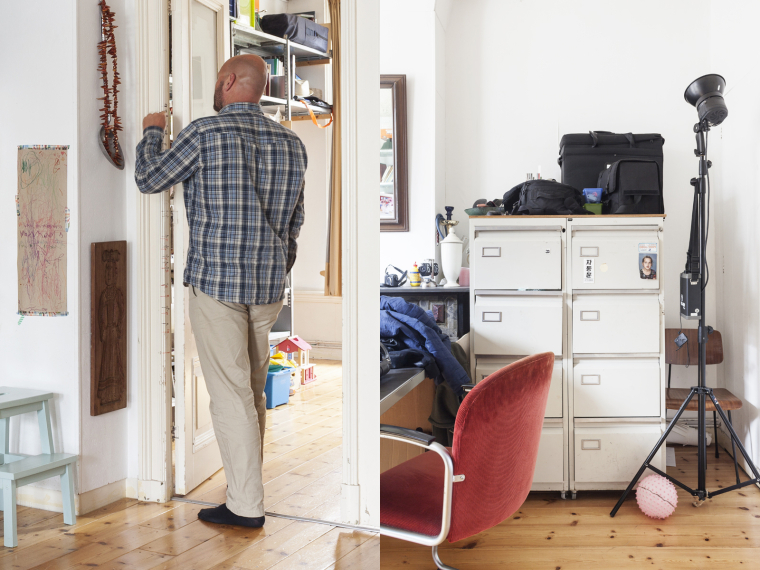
(254, 41)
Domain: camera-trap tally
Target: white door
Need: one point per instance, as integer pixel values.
(200, 33)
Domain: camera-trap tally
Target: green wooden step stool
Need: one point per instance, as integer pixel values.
(17, 470)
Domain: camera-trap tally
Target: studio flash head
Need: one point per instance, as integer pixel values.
(706, 94)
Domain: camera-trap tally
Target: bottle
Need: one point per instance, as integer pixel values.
(414, 276)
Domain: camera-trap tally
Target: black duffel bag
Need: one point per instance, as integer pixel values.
(298, 29)
(632, 186)
(543, 197)
(583, 156)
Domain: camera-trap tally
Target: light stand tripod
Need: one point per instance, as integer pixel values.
(696, 264)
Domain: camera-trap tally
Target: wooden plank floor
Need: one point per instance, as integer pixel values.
(552, 534)
(302, 463)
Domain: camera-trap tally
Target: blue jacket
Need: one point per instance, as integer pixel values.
(417, 329)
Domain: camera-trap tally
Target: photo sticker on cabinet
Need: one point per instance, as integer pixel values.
(648, 265)
(648, 260)
(588, 270)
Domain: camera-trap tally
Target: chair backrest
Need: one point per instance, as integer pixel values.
(496, 437)
(689, 353)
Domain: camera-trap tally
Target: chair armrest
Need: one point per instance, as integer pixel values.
(467, 387)
(416, 437)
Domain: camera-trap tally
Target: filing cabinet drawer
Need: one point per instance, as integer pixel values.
(612, 453)
(616, 323)
(513, 259)
(485, 368)
(616, 387)
(550, 461)
(613, 259)
(517, 325)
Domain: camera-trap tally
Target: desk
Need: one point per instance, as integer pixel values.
(397, 384)
(406, 400)
(456, 299)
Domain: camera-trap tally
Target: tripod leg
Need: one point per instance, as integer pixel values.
(715, 433)
(733, 449)
(735, 438)
(644, 465)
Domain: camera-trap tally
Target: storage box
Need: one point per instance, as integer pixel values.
(277, 388)
(593, 208)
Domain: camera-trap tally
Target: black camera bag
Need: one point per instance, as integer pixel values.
(298, 29)
(632, 186)
(543, 197)
(583, 156)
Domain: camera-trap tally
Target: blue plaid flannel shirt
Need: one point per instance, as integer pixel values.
(243, 177)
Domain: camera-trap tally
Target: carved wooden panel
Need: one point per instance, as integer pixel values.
(108, 327)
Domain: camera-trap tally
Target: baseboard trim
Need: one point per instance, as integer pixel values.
(52, 500)
(326, 349)
(724, 439)
(315, 297)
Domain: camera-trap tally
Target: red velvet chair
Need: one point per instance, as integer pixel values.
(485, 477)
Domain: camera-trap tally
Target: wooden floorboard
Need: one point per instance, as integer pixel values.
(550, 533)
(302, 474)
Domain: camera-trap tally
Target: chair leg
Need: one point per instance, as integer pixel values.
(733, 450)
(67, 492)
(9, 516)
(715, 433)
(437, 560)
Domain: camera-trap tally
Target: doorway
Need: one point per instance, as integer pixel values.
(303, 467)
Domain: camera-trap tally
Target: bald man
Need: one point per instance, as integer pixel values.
(243, 178)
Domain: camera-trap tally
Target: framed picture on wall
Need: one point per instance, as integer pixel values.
(394, 214)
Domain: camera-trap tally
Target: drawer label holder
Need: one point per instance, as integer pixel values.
(589, 315)
(591, 445)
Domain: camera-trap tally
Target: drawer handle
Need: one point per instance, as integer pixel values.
(492, 317)
(589, 252)
(491, 252)
(589, 315)
(591, 379)
(591, 445)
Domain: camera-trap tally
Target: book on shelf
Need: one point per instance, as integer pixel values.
(387, 175)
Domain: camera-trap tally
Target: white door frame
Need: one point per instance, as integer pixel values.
(360, 117)
(360, 498)
(153, 267)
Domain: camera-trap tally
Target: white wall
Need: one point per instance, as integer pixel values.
(734, 148)
(38, 105)
(413, 45)
(53, 101)
(533, 71)
(104, 205)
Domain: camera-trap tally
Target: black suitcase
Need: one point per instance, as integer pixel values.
(543, 197)
(632, 186)
(298, 29)
(583, 156)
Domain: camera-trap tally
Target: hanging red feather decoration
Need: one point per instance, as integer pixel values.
(110, 115)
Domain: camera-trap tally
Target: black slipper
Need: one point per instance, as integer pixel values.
(222, 515)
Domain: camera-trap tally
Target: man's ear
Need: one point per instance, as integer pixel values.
(229, 82)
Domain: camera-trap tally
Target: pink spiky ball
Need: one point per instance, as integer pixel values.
(657, 497)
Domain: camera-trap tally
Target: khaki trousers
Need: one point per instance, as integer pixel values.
(233, 347)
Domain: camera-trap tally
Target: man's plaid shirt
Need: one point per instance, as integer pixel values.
(243, 178)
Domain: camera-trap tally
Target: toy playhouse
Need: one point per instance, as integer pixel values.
(298, 349)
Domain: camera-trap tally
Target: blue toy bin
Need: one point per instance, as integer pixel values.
(277, 388)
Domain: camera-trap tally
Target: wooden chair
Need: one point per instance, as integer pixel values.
(689, 354)
(17, 470)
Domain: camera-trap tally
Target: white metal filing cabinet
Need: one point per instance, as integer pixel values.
(574, 286)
